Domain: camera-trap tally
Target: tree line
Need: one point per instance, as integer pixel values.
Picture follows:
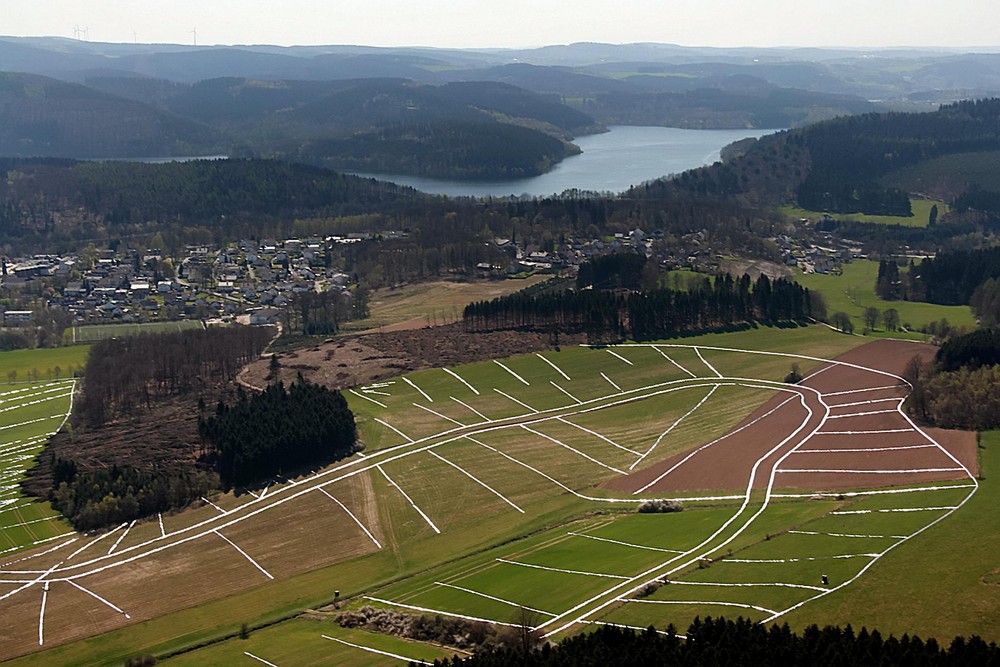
(278, 431)
(719, 641)
(126, 375)
(657, 313)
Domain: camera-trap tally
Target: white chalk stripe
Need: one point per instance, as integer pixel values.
(159, 517)
(245, 555)
(351, 514)
(477, 481)
(491, 597)
(705, 361)
(615, 354)
(896, 399)
(798, 560)
(625, 544)
(859, 391)
(557, 569)
(438, 611)
(558, 370)
(863, 414)
(521, 403)
(869, 432)
(664, 355)
(572, 449)
(369, 399)
(37, 542)
(853, 535)
(507, 368)
(471, 409)
(98, 598)
(598, 435)
(95, 541)
(460, 379)
(878, 492)
(213, 504)
(906, 471)
(611, 382)
(41, 615)
(847, 450)
(422, 392)
(42, 553)
(438, 414)
(259, 659)
(394, 429)
(673, 426)
(777, 584)
(898, 509)
(698, 603)
(377, 651)
(408, 499)
(121, 537)
(574, 398)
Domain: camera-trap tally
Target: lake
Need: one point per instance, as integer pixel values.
(611, 162)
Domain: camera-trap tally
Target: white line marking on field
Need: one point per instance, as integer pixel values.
(906, 471)
(394, 429)
(438, 414)
(880, 492)
(469, 407)
(743, 585)
(854, 535)
(871, 432)
(460, 379)
(422, 392)
(43, 553)
(558, 370)
(847, 450)
(408, 499)
(578, 401)
(521, 403)
(898, 509)
(37, 542)
(817, 372)
(558, 569)
(264, 492)
(259, 659)
(213, 504)
(121, 537)
(490, 597)
(861, 414)
(507, 368)
(572, 449)
(438, 611)
(351, 514)
(673, 426)
(477, 481)
(625, 544)
(245, 554)
(665, 356)
(598, 435)
(375, 650)
(717, 440)
(159, 517)
(859, 391)
(855, 404)
(798, 560)
(369, 398)
(99, 598)
(611, 382)
(615, 354)
(705, 361)
(95, 541)
(41, 615)
(704, 602)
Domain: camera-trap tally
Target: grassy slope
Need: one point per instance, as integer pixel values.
(24, 361)
(921, 214)
(854, 291)
(933, 586)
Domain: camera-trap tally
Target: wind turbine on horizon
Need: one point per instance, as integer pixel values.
(195, 34)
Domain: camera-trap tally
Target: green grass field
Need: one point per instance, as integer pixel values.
(43, 364)
(511, 515)
(921, 214)
(854, 290)
(94, 332)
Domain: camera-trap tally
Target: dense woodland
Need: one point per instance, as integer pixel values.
(125, 376)
(951, 278)
(659, 313)
(719, 641)
(279, 431)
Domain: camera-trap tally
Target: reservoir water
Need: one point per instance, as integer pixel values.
(611, 162)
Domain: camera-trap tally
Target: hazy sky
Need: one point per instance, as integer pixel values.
(514, 23)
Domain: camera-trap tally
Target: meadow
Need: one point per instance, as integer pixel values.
(91, 333)
(484, 489)
(921, 214)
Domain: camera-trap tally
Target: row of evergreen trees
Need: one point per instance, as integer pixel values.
(278, 431)
(719, 641)
(658, 313)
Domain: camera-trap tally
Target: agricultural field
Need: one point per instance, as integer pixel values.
(48, 364)
(426, 304)
(91, 333)
(921, 214)
(508, 489)
(854, 290)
